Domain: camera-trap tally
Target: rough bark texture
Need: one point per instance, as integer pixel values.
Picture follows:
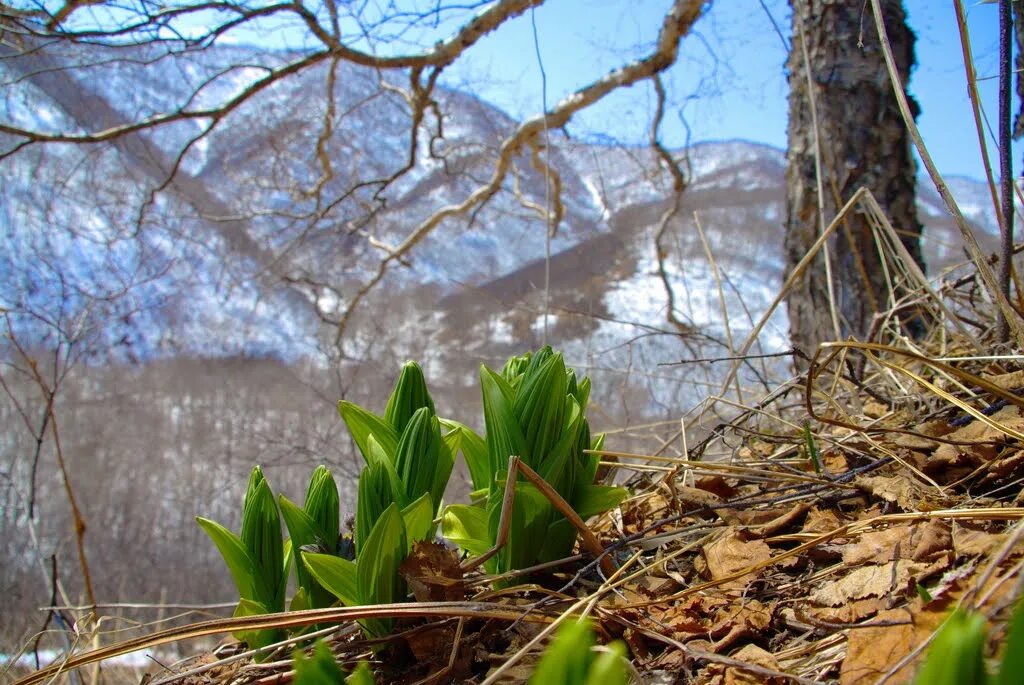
(863, 143)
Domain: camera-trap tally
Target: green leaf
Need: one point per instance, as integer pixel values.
(539, 408)
(418, 518)
(300, 601)
(361, 676)
(261, 535)
(410, 395)
(323, 506)
(1011, 671)
(450, 442)
(466, 526)
(474, 450)
(336, 574)
(568, 658)
(362, 424)
(256, 638)
(250, 510)
(582, 391)
(558, 540)
(559, 467)
(515, 367)
(418, 453)
(812, 447)
(597, 499)
(531, 514)
(504, 437)
(610, 667)
(236, 556)
(319, 669)
(374, 496)
(377, 458)
(955, 656)
(377, 577)
(305, 532)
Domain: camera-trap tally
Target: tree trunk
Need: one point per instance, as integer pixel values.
(863, 143)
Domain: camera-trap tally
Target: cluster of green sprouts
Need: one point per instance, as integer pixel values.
(534, 415)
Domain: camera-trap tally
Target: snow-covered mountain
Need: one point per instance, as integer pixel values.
(281, 212)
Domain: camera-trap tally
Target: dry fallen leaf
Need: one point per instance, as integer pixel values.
(752, 654)
(433, 572)
(969, 542)
(875, 580)
(747, 619)
(920, 542)
(872, 652)
(764, 522)
(850, 612)
(820, 521)
(899, 490)
(731, 554)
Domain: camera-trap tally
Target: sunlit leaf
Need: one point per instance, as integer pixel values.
(567, 659)
(376, 457)
(361, 676)
(375, 495)
(256, 638)
(418, 453)
(531, 514)
(558, 467)
(539, 408)
(610, 667)
(300, 601)
(362, 424)
(304, 533)
(336, 574)
(504, 437)
(450, 442)
(323, 506)
(236, 556)
(377, 578)
(474, 449)
(956, 655)
(418, 518)
(1011, 670)
(261, 535)
(409, 395)
(466, 526)
(321, 668)
(597, 499)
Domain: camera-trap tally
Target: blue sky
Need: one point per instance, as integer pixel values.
(729, 82)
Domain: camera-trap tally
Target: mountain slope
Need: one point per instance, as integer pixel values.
(258, 241)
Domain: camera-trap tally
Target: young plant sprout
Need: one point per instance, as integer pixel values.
(534, 410)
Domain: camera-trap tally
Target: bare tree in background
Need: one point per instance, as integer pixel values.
(142, 192)
(838, 82)
(339, 212)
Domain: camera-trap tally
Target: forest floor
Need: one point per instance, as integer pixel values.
(822, 534)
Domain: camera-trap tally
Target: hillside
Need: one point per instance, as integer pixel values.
(206, 302)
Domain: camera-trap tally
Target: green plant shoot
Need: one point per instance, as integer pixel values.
(314, 526)
(373, 577)
(534, 409)
(571, 659)
(255, 558)
(406, 454)
(320, 668)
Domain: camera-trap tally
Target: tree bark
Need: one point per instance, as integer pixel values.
(863, 142)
